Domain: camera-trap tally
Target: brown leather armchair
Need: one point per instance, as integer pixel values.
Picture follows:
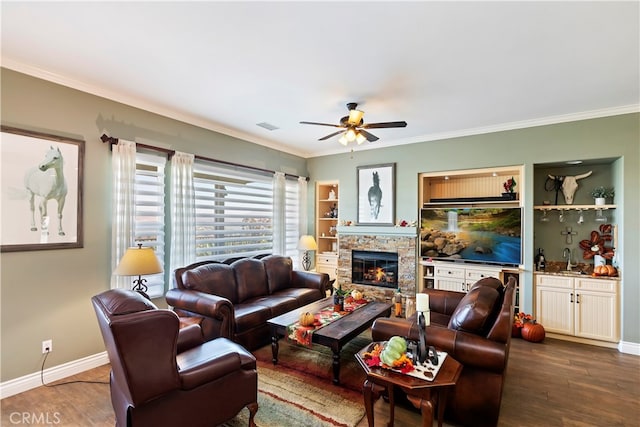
(153, 385)
(474, 329)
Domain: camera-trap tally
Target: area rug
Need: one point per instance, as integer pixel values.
(290, 400)
(299, 391)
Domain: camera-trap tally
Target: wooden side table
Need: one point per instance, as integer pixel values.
(423, 394)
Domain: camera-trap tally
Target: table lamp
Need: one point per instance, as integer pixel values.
(307, 243)
(137, 262)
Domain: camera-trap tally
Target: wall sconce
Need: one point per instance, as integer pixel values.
(307, 243)
(137, 262)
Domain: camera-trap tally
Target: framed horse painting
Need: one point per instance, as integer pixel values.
(376, 194)
(41, 188)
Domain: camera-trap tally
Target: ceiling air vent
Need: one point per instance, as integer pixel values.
(267, 126)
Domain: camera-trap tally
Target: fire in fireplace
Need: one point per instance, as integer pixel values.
(374, 268)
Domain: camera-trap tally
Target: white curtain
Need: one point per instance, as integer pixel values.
(279, 214)
(183, 212)
(123, 166)
(302, 208)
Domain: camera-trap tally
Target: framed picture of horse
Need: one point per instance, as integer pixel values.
(41, 190)
(376, 194)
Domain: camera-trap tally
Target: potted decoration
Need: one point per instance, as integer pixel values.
(338, 298)
(509, 186)
(601, 194)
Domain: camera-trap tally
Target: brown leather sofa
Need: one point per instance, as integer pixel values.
(236, 300)
(155, 385)
(474, 329)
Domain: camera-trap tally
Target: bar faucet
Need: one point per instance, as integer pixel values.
(566, 253)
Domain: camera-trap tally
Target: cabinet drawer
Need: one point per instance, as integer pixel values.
(554, 281)
(475, 275)
(331, 260)
(601, 285)
(448, 272)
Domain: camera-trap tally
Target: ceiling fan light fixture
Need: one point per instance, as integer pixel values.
(343, 140)
(360, 138)
(355, 116)
(351, 135)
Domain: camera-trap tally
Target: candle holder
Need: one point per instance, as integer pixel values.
(425, 352)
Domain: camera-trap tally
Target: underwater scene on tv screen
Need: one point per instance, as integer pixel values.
(491, 235)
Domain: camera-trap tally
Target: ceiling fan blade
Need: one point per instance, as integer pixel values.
(370, 137)
(330, 135)
(322, 124)
(385, 125)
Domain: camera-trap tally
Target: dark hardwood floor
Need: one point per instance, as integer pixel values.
(554, 383)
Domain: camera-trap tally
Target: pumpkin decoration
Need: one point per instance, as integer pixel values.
(532, 331)
(356, 295)
(605, 270)
(307, 319)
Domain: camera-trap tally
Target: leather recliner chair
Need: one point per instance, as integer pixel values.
(153, 384)
(474, 329)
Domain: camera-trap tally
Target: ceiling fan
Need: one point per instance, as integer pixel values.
(353, 127)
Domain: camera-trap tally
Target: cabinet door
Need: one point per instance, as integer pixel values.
(451, 285)
(554, 309)
(596, 315)
(327, 264)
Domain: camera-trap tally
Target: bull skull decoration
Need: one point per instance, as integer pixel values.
(568, 185)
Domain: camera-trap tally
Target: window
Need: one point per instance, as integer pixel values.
(149, 227)
(234, 210)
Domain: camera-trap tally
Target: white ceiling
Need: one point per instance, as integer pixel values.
(447, 68)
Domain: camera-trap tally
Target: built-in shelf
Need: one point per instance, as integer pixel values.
(572, 207)
(496, 203)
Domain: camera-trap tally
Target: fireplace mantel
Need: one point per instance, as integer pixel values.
(377, 230)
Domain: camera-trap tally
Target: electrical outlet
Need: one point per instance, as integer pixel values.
(47, 346)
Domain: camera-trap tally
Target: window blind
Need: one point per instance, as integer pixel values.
(234, 211)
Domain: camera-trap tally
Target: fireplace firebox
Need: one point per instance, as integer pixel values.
(374, 268)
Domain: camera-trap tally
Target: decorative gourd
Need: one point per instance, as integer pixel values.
(533, 332)
(600, 270)
(611, 270)
(307, 319)
(356, 295)
(395, 348)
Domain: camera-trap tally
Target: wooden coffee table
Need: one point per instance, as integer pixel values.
(422, 394)
(334, 335)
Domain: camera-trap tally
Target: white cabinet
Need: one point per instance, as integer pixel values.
(577, 306)
(450, 278)
(327, 264)
(461, 278)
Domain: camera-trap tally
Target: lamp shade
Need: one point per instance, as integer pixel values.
(138, 261)
(307, 243)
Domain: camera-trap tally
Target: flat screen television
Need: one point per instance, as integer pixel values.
(482, 235)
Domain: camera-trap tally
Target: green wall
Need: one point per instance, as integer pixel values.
(46, 294)
(616, 139)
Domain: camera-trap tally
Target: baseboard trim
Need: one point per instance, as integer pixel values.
(629, 347)
(55, 373)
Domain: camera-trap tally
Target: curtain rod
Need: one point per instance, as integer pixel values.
(112, 141)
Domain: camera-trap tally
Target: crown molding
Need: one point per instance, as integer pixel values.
(143, 105)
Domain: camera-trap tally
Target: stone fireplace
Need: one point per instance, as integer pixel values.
(400, 241)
